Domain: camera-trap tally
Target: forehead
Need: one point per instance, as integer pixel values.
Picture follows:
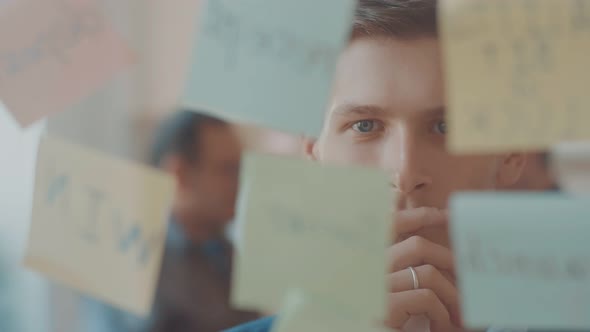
(403, 75)
(218, 142)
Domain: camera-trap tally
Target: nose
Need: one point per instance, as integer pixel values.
(405, 162)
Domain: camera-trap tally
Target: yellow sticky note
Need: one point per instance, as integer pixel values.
(304, 312)
(323, 229)
(98, 224)
(516, 72)
(53, 53)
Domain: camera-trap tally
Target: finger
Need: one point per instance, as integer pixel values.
(403, 305)
(417, 251)
(412, 220)
(431, 278)
(402, 280)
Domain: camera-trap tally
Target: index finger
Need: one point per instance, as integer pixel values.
(413, 220)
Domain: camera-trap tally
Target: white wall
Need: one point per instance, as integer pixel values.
(24, 298)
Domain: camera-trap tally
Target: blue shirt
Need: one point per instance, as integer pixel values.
(261, 325)
(192, 293)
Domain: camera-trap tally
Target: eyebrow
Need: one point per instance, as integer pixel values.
(375, 111)
(435, 112)
(364, 110)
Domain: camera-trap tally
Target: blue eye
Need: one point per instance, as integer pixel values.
(440, 127)
(364, 126)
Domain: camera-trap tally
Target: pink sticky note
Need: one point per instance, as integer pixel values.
(53, 53)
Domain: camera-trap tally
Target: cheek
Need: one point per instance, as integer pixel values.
(468, 173)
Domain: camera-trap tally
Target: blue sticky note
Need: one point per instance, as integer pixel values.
(268, 62)
(523, 260)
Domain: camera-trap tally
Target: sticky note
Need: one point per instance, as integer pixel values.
(168, 50)
(516, 73)
(304, 312)
(523, 260)
(53, 53)
(323, 229)
(98, 224)
(570, 164)
(290, 311)
(268, 63)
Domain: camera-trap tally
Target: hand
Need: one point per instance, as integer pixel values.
(437, 296)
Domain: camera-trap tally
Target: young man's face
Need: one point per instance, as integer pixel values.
(388, 111)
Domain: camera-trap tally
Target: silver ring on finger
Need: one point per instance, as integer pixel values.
(414, 277)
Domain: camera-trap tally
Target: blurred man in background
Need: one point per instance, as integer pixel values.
(202, 153)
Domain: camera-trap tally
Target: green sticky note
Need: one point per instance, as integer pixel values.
(268, 62)
(301, 311)
(523, 260)
(321, 229)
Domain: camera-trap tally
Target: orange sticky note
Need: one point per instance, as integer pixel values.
(53, 53)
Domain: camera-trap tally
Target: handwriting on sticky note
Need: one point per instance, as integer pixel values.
(298, 224)
(277, 70)
(303, 224)
(98, 224)
(522, 253)
(100, 213)
(244, 38)
(69, 30)
(58, 51)
(514, 72)
(493, 260)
